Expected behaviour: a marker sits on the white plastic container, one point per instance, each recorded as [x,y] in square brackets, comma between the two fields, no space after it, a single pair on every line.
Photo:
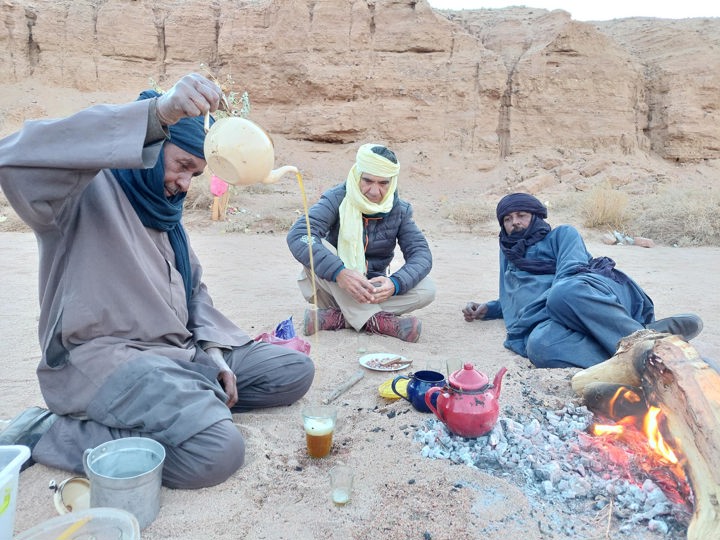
[11,459]
[93,523]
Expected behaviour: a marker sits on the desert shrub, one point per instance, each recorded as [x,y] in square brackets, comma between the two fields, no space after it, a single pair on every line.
[470,215]
[605,207]
[679,216]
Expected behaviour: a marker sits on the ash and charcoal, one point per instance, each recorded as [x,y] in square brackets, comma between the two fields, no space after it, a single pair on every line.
[549,455]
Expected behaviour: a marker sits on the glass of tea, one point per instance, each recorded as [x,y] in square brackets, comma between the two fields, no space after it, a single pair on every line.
[319,424]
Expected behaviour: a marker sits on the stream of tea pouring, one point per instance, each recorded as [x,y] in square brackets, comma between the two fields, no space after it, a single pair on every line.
[242,153]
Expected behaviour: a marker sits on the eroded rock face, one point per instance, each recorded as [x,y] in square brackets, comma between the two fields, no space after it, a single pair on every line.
[487,82]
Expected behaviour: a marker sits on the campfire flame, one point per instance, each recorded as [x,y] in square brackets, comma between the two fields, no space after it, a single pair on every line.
[655,438]
[645,445]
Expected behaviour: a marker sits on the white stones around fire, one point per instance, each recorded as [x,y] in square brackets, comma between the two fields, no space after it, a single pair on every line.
[545,455]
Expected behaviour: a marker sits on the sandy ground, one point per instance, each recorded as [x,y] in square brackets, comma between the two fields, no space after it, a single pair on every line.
[280,493]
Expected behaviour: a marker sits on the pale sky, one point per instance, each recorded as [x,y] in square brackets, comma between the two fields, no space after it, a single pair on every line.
[600,10]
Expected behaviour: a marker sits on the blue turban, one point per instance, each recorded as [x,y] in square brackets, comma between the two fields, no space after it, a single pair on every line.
[519,202]
[187,133]
[145,189]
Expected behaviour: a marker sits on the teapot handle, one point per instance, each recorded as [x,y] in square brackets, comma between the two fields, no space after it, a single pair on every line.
[86,464]
[395,381]
[428,400]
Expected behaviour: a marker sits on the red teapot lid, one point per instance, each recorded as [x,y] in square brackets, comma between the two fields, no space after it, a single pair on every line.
[468,378]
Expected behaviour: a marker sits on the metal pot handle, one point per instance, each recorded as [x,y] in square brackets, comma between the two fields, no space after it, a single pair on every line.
[86,465]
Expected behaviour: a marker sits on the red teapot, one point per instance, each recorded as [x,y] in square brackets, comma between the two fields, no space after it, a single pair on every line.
[468,404]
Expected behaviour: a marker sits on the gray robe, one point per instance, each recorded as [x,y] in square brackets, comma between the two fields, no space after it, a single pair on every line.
[113,308]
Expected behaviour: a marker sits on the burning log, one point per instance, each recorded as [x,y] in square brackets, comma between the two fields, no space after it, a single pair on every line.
[625,367]
[686,389]
[614,400]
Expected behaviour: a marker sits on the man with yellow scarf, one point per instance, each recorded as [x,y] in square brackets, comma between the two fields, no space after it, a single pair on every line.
[354,229]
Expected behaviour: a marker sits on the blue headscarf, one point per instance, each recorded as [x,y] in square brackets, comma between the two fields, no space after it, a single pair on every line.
[516,244]
[520,202]
[145,189]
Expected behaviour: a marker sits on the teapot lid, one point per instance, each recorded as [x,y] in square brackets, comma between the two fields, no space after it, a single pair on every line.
[468,378]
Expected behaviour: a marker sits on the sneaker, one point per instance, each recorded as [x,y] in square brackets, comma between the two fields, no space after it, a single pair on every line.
[404,328]
[685,325]
[322,319]
[26,429]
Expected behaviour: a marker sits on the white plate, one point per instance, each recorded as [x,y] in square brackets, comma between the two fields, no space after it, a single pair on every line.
[373,361]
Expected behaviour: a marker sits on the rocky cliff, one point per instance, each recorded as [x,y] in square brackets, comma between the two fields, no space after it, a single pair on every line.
[487,82]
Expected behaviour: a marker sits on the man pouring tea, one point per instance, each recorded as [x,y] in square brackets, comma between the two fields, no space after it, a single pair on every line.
[131,342]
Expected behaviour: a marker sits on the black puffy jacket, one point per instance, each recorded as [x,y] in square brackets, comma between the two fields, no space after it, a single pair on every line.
[382,232]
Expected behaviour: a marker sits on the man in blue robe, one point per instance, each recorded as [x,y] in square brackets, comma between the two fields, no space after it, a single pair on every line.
[561,306]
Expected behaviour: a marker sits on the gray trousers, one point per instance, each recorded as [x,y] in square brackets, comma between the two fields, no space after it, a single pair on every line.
[169,402]
[330,295]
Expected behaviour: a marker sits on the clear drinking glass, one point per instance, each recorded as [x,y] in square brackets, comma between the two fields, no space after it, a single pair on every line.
[319,424]
[341,483]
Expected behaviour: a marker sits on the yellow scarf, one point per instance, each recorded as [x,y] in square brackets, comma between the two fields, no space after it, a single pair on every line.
[350,239]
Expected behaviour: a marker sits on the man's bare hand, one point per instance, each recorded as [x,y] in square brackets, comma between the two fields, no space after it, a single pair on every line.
[357,285]
[384,289]
[474,311]
[228,380]
[193,95]
[226,377]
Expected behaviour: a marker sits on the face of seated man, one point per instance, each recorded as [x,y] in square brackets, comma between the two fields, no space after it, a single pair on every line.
[516,222]
[374,188]
[180,168]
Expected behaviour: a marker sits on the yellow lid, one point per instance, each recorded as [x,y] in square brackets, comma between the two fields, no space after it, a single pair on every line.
[386,390]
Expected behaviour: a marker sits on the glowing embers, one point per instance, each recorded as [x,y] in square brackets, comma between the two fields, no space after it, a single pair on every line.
[636,447]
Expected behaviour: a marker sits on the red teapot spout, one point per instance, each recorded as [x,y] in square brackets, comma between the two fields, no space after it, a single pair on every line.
[497,381]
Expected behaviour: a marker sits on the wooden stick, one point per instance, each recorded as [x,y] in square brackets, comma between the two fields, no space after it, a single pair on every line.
[390,361]
[352,381]
[396,362]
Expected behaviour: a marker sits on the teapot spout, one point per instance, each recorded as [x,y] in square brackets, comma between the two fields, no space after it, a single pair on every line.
[497,382]
[277,174]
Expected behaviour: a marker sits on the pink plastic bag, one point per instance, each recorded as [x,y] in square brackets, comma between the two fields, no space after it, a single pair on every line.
[218,186]
[284,335]
[297,343]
